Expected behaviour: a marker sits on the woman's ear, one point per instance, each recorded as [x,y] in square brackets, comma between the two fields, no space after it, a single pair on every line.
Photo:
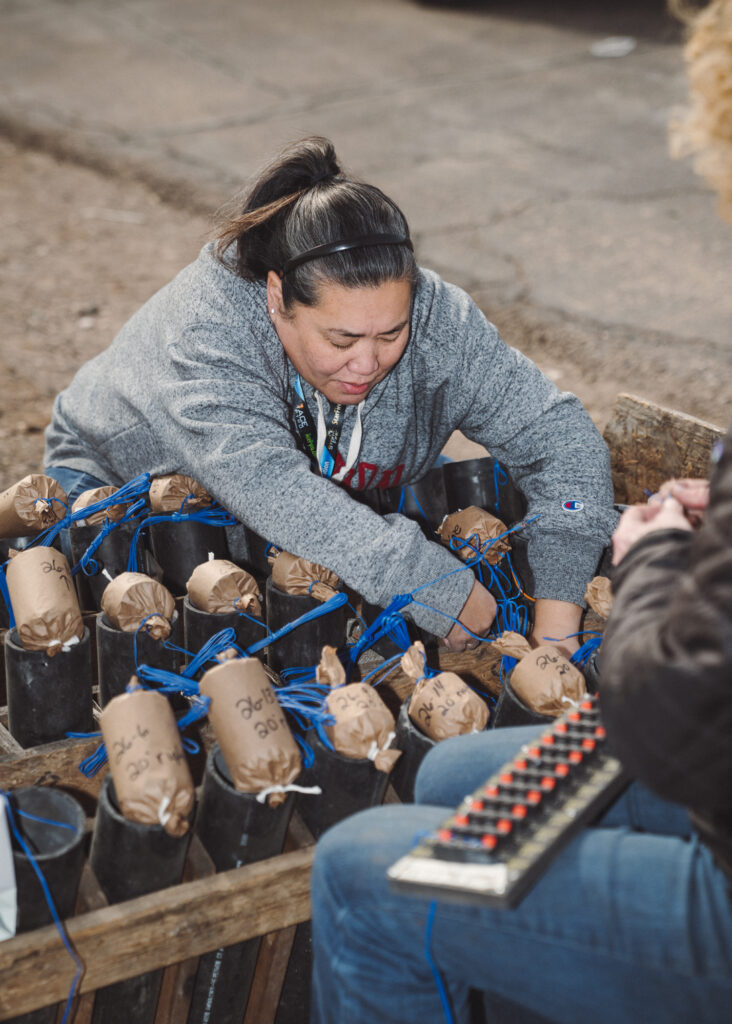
[274,294]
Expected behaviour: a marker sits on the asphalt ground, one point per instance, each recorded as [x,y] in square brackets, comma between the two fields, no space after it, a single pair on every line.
[533,173]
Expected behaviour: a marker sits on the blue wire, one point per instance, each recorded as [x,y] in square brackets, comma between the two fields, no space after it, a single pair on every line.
[46,821]
[214,515]
[439,982]
[49,900]
[337,601]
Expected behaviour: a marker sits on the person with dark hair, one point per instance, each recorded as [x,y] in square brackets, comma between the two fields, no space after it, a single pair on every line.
[305,337]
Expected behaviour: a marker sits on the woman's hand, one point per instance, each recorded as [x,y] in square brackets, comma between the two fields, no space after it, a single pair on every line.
[692,495]
[640,520]
[556,620]
[477,615]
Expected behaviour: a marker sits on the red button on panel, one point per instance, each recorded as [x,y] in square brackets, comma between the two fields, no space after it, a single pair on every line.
[547,739]
[548,783]
[491,790]
[575,756]
[490,842]
[589,744]
[461,819]
[574,716]
[477,805]
[587,705]
[534,796]
[445,835]
[503,825]
[560,727]
[506,777]
[534,751]
[561,770]
[520,765]
[518,811]
[600,732]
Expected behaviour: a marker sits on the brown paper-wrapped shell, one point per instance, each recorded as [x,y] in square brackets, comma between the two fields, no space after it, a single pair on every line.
[26,507]
[298,576]
[131,597]
[218,586]
[364,726]
[474,522]
[442,705]
[151,777]
[330,671]
[167,494]
[512,644]
[43,596]
[91,497]
[249,724]
[546,682]
[599,596]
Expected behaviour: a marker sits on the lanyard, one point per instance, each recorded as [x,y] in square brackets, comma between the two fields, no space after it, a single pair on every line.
[321,443]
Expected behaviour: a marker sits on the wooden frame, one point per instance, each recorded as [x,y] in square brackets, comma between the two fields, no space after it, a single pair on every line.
[171,928]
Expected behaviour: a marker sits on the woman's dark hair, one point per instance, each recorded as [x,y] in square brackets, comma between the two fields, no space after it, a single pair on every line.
[303,200]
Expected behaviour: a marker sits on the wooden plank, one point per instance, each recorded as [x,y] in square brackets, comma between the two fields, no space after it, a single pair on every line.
[649,444]
[272,961]
[53,764]
[177,984]
[9,746]
[156,930]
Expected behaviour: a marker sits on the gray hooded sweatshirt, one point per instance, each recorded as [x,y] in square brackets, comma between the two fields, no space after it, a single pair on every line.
[197,382]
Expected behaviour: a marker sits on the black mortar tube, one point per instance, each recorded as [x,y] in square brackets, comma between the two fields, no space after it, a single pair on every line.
[130,860]
[48,697]
[472,482]
[348,785]
[304,645]
[235,829]
[592,672]
[59,853]
[414,745]
[178,547]
[111,555]
[200,626]
[425,501]
[116,654]
[511,710]
[257,559]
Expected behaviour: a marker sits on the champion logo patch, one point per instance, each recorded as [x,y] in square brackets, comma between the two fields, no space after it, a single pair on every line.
[573,506]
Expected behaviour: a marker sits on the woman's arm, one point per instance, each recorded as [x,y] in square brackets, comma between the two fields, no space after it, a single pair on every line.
[228,425]
[550,446]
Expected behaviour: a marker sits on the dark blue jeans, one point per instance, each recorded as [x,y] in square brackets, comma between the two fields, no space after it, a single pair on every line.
[632,923]
[73,481]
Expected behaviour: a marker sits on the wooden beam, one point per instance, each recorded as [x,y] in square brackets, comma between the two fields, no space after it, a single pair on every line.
[649,444]
[53,764]
[153,931]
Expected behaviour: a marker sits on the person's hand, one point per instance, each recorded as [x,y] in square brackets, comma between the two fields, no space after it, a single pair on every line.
[477,615]
[640,520]
[692,495]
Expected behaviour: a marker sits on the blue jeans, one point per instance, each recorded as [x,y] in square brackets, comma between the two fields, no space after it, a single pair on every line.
[73,481]
[631,924]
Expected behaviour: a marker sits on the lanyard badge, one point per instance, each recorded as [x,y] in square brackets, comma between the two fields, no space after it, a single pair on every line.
[321,443]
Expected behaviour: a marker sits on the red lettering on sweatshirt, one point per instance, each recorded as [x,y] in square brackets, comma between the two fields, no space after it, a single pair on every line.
[366,474]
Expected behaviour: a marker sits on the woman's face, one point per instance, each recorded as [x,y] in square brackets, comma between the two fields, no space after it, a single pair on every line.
[349,341]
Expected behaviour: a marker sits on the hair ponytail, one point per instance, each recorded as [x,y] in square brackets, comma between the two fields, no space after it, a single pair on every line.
[303,200]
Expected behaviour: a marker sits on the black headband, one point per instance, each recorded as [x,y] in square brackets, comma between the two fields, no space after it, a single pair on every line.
[360,242]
